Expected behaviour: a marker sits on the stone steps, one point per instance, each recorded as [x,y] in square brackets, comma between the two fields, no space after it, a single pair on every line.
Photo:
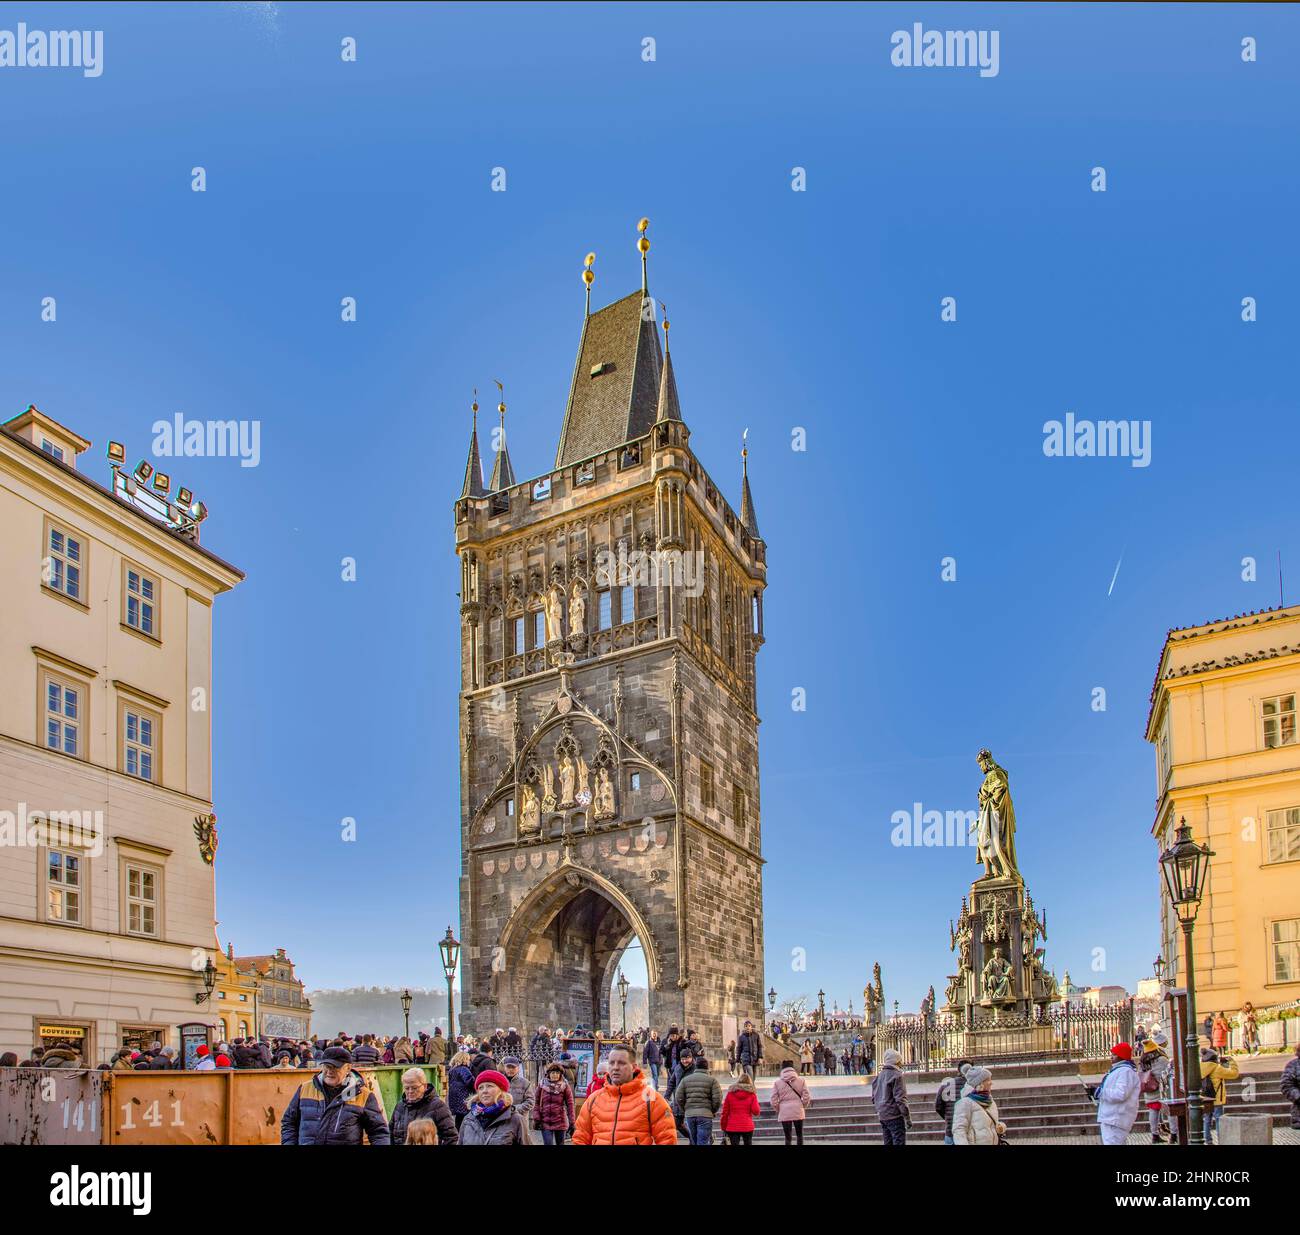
[1028,1111]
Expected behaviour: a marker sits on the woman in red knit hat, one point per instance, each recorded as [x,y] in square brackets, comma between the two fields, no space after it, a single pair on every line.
[492,1119]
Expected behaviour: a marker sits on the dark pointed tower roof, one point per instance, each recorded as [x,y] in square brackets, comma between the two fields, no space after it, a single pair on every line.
[669,408]
[503,475]
[747,515]
[473,486]
[615,390]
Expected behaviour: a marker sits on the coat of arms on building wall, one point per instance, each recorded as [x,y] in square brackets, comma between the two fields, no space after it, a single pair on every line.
[205,830]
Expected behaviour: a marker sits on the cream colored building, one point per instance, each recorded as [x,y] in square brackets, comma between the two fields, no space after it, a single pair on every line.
[106,900]
[1223,723]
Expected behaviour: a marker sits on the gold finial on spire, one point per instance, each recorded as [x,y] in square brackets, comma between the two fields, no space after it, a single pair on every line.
[474,407]
[643,244]
[744,452]
[663,308]
[588,277]
[501,407]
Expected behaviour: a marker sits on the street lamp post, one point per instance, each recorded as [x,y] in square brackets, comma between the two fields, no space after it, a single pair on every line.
[1184,865]
[622,995]
[771,998]
[209,972]
[821,1009]
[406,1009]
[449,946]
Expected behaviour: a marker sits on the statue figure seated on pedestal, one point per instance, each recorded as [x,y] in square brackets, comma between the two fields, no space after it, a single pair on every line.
[995,979]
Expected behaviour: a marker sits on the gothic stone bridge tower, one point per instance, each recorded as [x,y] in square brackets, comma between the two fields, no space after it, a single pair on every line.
[611,614]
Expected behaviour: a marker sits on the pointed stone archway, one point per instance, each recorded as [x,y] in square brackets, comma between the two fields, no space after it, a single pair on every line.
[556,957]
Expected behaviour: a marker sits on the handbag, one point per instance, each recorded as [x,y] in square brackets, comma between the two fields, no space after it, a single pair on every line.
[1002,1140]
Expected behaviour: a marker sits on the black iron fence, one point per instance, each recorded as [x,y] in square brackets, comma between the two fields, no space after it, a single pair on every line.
[1056,1033]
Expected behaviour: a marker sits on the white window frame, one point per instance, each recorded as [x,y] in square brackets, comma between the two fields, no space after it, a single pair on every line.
[65,569]
[74,721]
[1293,944]
[1290,852]
[76,888]
[139,900]
[1279,719]
[144,595]
[134,744]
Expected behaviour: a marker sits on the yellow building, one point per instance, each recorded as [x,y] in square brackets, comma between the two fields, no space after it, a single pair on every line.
[1223,722]
[106,886]
[234,999]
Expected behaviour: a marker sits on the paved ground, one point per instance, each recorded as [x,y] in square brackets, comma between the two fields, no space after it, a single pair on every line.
[1281,1136]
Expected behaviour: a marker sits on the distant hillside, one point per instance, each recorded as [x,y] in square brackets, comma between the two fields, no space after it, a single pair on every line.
[376,1009]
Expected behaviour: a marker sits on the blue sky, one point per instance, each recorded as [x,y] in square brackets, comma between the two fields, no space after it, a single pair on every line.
[815,309]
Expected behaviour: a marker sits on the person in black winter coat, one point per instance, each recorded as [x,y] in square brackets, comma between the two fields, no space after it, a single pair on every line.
[1291,1087]
[336,1106]
[947,1096]
[419,1101]
[460,1085]
[247,1055]
[749,1049]
[652,1056]
[685,1043]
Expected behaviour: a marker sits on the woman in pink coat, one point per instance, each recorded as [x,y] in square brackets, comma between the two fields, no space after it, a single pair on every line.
[790,1098]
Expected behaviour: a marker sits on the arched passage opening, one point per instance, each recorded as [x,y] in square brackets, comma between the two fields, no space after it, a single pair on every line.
[561,950]
[628,964]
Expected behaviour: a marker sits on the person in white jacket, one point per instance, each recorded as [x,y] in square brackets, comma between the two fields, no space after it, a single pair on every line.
[975,1120]
[1118,1096]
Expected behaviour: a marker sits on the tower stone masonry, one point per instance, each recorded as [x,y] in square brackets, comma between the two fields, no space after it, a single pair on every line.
[611,613]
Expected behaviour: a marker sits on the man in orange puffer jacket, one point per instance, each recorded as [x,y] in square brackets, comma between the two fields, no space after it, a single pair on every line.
[625,1110]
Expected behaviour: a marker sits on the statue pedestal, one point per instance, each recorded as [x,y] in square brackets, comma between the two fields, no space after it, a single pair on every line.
[997,918]
[994,1041]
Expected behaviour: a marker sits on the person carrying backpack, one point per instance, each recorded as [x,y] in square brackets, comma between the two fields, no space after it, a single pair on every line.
[1216,1071]
[1117,1097]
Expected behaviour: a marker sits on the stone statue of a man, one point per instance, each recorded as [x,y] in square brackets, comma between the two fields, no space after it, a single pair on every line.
[995,830]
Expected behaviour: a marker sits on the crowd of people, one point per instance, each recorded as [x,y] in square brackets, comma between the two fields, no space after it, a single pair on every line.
[647,1088]
[1140,1075]
[816,1058]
